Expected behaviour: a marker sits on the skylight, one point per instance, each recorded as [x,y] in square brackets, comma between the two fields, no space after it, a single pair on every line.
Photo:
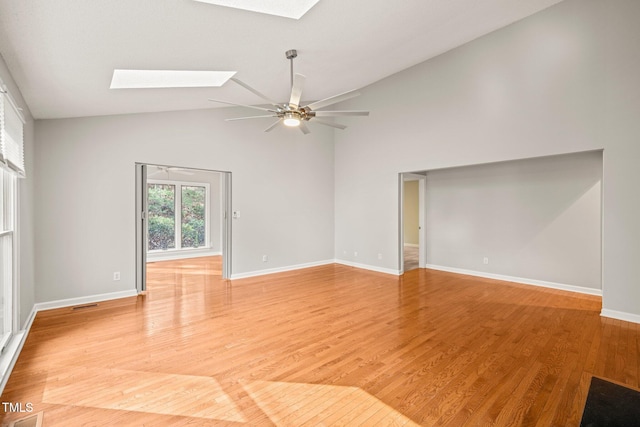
[294,9]
[139,79]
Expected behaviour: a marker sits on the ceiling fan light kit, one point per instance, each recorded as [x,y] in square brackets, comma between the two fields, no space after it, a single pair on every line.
[291,119]
[291,114]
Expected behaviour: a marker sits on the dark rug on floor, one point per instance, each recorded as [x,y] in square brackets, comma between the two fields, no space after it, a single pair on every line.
[611,405]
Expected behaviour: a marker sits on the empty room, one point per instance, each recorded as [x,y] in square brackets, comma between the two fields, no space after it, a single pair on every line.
[321,213]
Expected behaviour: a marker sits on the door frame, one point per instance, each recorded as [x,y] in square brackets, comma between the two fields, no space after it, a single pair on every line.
[141,212]
[422,220]
[141,227]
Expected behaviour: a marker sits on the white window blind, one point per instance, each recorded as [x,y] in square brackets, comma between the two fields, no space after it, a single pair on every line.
[11,135]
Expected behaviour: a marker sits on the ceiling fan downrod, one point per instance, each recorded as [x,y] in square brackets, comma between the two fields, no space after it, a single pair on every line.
[291,54]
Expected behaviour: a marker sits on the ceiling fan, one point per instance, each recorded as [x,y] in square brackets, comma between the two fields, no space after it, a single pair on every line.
[168,169]
[293,114]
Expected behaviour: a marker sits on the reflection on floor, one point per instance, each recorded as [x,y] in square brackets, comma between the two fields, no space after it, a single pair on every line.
[170,275]
[410,257]
[327,345]
[294,404]
[152,392]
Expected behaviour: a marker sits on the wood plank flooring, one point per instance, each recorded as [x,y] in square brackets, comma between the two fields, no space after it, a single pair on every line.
[411,258]
[330,345]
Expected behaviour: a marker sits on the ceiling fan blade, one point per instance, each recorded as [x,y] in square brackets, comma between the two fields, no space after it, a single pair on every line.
[273,126]
[304,128]
[332,100]
[250,117]
[296,90]
[333,125]
[242,105]
[340,113]
[255,92]
[182,172]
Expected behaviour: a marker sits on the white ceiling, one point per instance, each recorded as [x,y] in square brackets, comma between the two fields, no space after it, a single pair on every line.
[62,53]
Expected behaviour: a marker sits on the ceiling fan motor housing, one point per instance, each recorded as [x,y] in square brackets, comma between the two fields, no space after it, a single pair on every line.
[291,54]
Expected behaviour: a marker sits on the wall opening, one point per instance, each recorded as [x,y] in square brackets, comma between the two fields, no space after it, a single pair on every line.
[535,221]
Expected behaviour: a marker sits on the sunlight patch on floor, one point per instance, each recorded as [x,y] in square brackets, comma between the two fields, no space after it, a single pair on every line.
[296,404]
[157,393]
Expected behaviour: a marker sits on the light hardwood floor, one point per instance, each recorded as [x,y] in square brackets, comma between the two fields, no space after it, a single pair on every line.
[330,345]
[411,258]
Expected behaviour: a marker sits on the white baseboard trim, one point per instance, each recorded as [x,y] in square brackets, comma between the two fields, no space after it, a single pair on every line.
[84,300]
[280,269]
[170,256]
[13,350]
[541,283]
[620,315]
[30,319]
[315,264]
[369,267]
[17,341]
[10,357]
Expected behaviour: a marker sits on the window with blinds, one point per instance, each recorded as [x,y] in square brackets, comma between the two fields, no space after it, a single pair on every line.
[7,255]
[11,168]
[11,135]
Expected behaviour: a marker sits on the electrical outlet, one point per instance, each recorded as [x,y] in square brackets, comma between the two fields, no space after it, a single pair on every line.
[355,253]
[116,275]
[485,260]
[379,256]
[265,258]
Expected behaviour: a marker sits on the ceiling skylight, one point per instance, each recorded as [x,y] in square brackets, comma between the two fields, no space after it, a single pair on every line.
[288,8]
[143,79]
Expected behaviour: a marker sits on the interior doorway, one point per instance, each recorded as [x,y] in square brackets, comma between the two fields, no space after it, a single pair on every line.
[182,214]
[412,252]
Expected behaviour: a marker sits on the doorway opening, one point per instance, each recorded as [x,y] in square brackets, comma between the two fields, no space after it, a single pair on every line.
[182,218]
[412,231]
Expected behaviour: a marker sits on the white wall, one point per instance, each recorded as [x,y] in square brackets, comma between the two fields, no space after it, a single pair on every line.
[282,185]
[536,219]
[564,80]
[26,201]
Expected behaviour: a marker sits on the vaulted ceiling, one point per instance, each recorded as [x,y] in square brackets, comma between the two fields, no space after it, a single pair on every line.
[62,53]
